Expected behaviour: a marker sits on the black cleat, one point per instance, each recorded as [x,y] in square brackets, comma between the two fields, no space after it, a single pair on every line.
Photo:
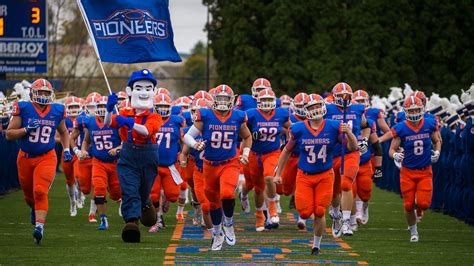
[315,251]
[291,205]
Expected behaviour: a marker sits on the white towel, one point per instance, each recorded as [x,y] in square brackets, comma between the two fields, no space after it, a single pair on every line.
[175,174]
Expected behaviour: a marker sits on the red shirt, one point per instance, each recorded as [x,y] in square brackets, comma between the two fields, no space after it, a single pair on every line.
[153,123]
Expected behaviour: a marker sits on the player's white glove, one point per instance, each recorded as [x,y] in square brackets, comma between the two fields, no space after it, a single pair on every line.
[363,145]
[434,156]
[398,156]
[77,152]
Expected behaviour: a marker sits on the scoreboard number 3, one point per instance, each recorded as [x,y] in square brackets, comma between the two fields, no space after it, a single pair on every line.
[35,15]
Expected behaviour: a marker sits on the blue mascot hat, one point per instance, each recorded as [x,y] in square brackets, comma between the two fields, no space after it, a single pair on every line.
[141,74]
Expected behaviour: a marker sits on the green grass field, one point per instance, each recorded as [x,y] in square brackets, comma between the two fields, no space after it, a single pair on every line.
[73,240]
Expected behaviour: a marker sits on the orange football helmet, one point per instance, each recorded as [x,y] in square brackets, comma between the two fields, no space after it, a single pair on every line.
[413,108]
[420,95]
[266,100]
[202,95]
[184,102]
[260,84]
[163,104]
[342,92]
[223,98]
[91,102]
[163,90]
[315,107]
[73,106]
[362,97]
[285,101]
[298,104]
[42,92]
[101,106]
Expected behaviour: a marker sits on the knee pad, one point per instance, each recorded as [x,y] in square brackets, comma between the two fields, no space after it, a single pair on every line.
[364,195]
[99,200]
[423,205]
[40,192]
[346,184]
[320,210]
[409,206]
[305,214]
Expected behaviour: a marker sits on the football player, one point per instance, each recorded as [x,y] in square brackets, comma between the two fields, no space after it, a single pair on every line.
[220,128]
[418,137]
[265,123]
[84,165]
[342,197]
[103,142]
[316,138]
[34,124]
[168,139]
[291,169]
[73,110]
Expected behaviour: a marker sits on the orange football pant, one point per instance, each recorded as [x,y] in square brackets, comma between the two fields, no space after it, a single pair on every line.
[68,169]
[199,190]
[261,166]
[188,172]
[36,176]
[362,185]
[313,193]
[289,175]
[165,181]
[351,167]
[417,184]
[104,177]
[220,181]
[85,175]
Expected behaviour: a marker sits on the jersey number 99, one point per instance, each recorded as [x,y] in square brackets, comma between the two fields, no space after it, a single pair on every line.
[40,134]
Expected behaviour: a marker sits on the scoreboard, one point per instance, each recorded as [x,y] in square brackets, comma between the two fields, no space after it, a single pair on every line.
[23,36]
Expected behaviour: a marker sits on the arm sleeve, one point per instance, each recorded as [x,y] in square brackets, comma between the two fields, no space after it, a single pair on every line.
[153,124]
[16,109]
[114,123]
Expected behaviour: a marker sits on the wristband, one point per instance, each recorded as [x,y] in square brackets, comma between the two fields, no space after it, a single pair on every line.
[246,151]
[67,150]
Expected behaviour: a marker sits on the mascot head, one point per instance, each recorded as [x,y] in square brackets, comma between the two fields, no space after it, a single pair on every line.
[141,88]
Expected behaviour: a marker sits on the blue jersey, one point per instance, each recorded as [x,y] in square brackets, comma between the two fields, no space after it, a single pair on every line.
[368,155]
[416,142]
[79,123]
[374,114]
[401,116]
[316,146]
[103,139]
[354,114]
[176,109]
[295,119]
[269,128]
[187,117]
[69,121]
[40,140]
[198,156]
[220,133]
[168,140]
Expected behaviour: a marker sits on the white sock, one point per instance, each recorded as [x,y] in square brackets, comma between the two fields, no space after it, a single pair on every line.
[413,230]
[180,209]
[359,205]
[183,193]
[301,220]
[217,229]
[346,215]
[317,241]
[228,220]
[210,230]
[277,197]
[353,219]
[93,207]
[71,191]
